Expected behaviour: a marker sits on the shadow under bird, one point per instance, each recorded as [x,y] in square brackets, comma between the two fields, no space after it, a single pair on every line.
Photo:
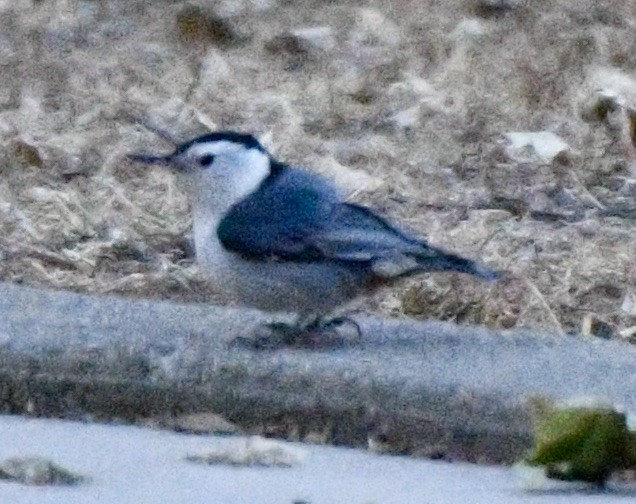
[283,239]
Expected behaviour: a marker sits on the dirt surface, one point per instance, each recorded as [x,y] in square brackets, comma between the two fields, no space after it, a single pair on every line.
[407,104]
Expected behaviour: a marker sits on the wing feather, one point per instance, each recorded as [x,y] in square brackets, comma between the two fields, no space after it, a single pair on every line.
[278,219]
[298,216]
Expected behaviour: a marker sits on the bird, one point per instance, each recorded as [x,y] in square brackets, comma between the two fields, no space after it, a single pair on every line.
[283,239]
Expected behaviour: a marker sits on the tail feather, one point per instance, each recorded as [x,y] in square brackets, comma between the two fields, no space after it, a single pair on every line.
[443,261]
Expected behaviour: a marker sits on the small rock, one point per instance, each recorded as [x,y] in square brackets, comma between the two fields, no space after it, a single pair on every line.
[468,31]
[203,423]
[609,96]
[406,119]
[607,87]
[37,471]
[544,145]
[7,127]
[603,105]
[592,325]
[372,27]
[215,68]
[415,90]
[465,42]
[628,333]
[253,451]
[69,165]
[318,37]
[72,160]
[628,305]
[351,82]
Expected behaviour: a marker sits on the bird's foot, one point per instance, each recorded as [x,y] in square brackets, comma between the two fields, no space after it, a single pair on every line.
[319,333]
[336,332]
[270,336]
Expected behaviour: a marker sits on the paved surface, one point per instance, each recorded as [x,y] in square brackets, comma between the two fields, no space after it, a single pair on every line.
[427,388]
[138,466]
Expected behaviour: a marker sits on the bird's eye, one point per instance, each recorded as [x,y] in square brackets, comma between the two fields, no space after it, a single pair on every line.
[206,160]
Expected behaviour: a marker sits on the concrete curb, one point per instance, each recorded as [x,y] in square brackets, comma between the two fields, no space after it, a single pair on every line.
[428,388]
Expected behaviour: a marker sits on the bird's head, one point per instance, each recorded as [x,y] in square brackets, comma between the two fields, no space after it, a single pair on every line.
[219,169]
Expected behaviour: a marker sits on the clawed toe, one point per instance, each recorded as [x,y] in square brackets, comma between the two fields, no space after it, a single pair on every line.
[270,336]
[319,333]
[340,324]
[337,332]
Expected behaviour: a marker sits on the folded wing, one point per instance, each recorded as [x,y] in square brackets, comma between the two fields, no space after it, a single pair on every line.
[299,217]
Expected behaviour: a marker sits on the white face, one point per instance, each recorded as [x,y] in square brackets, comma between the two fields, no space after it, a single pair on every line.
[203,155]
[220,173]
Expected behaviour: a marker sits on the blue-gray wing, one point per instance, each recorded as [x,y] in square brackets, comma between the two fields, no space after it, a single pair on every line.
[280,217]
[357,234]
[298,216]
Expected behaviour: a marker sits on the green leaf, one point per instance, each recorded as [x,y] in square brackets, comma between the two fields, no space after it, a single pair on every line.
[584,444]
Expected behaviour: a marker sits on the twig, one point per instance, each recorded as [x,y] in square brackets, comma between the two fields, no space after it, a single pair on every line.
[587,193]
[545,304]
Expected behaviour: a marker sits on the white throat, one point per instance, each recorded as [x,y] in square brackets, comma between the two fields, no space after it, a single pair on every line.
[231,178]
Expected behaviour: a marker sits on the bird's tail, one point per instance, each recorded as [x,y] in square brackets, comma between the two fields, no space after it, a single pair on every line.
[443,261]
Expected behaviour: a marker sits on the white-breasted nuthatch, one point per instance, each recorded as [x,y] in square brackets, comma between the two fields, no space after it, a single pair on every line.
[283,239]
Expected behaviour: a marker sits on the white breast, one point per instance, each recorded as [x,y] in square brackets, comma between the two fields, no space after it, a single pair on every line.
[272,285]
